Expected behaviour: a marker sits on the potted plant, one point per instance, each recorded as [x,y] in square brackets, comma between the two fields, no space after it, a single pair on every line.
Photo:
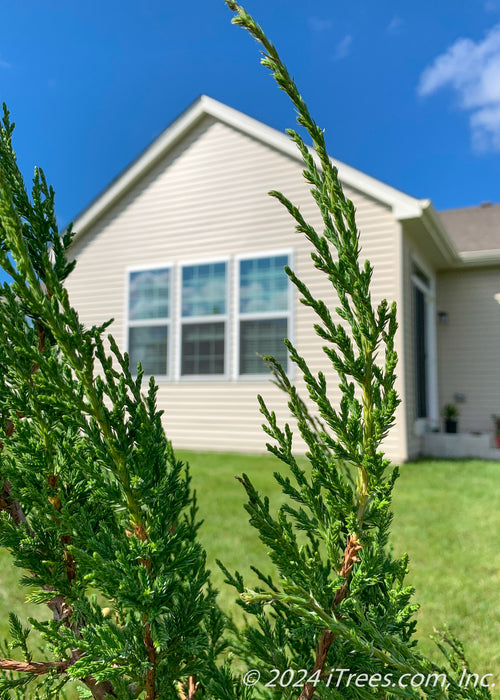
[450,413]
[496,422]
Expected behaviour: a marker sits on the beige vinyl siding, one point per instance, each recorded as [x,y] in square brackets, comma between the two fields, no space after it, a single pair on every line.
[469,345]
[208,199]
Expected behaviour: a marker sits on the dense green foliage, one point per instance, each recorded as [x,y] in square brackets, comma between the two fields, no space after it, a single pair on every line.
[337,597]
[441,510]
[95,507]
[100,515]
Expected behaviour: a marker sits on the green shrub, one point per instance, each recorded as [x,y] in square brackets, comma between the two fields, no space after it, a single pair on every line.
[99,513]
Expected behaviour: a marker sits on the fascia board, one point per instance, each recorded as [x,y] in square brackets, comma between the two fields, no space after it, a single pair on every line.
[480,257]
[438,234]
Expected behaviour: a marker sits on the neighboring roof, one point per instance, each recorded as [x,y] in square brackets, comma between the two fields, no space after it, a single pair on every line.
[475,231]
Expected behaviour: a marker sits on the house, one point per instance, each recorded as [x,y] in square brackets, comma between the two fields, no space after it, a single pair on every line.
[185,250]
[468,323]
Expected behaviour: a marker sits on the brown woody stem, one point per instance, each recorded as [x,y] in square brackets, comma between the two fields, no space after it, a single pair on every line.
[35,667]
[10,504]
[352,548]
[150,680]
[191,689]
[151,654]
[100,690]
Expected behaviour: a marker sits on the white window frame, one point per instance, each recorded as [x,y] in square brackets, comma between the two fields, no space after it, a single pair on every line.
[190,320]
[429,292]
[261,315]
[153,321]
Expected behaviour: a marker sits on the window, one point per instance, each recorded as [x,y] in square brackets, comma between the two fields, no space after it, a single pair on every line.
[203,319]
[264,308]
[181,320]
[149,320]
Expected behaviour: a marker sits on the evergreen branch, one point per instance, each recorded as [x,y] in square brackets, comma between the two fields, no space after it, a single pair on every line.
[61,612]
[34,667]
[366,609]
[365,638]
[58,605]
[35,292]
[340,229]
[285,81]
[326,640]
[109,507]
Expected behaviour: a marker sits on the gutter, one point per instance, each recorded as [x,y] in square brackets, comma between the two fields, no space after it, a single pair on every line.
[471,258]
[453,257]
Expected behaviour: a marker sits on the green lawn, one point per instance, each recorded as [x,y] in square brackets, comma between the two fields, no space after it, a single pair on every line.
[447,517]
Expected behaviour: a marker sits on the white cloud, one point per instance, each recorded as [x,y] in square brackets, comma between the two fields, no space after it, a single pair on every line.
[472,70]
[320,25]
[485,125]
[343,48]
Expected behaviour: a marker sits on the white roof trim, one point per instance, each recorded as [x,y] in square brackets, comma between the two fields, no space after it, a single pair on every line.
[438,233]
[480,257]
[403,206]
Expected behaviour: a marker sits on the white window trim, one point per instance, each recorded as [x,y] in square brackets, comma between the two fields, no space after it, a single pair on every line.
[432,375]
[154,321]
[289,315]
[180,321]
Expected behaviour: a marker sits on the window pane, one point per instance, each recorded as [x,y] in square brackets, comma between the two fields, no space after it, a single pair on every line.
[204,290]
[148,345]
[203,348]
[263,284]
[264,337]
[149,294]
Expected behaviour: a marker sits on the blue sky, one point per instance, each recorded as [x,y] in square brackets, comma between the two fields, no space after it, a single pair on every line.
[407,92]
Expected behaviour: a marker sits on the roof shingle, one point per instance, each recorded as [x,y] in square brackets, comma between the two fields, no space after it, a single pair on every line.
[473,228]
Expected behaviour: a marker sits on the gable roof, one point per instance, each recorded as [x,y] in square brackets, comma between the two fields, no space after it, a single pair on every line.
[403,206]
[475,231]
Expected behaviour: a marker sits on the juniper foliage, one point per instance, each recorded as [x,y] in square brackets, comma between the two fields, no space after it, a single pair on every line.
[338,599]
[95,508]
[100,515]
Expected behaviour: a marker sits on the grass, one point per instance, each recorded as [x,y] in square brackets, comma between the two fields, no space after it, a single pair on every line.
[447,517]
